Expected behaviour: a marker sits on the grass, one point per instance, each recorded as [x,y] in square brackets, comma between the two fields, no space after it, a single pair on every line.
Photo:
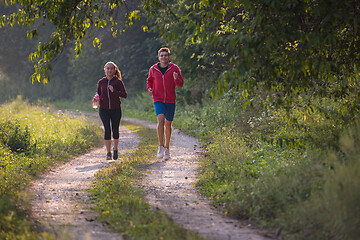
[298,172]
[119,198]
[32,140]
[292,172]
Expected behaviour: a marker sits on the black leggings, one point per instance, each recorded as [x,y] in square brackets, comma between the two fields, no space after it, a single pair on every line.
[113,116]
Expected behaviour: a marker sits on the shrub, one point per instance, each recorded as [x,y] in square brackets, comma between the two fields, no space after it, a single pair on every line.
[16,137]
[333,212]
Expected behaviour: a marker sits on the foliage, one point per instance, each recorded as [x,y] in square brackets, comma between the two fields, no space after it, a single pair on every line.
[33,139]
[120,202]
[71,20]
[13,136]
[332,212]
[285,47]
[283,185]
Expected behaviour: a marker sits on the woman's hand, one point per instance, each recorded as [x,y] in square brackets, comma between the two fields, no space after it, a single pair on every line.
[111,88]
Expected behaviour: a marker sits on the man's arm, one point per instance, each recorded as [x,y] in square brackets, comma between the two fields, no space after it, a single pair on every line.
[179,81]
[150,82]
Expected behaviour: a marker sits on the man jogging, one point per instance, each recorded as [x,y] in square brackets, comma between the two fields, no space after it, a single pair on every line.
[163,77]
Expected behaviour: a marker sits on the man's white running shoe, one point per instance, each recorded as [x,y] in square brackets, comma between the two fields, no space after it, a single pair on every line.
[166,154]
[160,152]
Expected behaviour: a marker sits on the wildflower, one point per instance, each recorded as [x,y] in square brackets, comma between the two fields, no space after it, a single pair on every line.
[305,156]
[287,165]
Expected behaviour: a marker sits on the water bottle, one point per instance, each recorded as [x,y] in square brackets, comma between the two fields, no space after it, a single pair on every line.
[95,102]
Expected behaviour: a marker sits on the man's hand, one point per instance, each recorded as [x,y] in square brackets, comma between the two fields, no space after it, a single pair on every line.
[150,91]
[175,75]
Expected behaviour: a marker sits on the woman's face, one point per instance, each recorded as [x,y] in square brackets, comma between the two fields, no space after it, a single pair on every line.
[109,70]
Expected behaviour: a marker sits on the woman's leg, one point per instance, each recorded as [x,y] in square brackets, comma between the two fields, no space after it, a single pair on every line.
[105,118]
[115,124]
[108,145]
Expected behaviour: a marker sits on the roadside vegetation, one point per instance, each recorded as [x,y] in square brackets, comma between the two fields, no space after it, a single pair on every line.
[32,140]
[295,174]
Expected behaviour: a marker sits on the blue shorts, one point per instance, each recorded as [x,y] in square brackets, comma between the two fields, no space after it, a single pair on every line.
[168,109]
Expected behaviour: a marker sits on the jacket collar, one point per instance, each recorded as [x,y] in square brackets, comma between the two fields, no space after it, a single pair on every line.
[157,67]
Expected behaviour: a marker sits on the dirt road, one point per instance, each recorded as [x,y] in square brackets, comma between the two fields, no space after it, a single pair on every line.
[60,199]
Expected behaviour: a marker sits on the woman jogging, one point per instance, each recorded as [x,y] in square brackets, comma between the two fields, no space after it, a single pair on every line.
[163,77]
[109,91]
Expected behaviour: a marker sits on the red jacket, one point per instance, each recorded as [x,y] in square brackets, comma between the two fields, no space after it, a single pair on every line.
[163,86]
[108,99]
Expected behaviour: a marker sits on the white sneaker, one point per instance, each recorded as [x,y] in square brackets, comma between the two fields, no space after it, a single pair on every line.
[167,154]
[160,152]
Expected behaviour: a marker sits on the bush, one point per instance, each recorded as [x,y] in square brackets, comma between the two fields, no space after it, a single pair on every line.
[17,138]
[333,212]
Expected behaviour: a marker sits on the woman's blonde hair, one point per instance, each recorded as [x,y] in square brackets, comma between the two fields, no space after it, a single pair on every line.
[117,71]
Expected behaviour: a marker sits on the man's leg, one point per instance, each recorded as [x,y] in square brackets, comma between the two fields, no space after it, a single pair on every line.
[168,131]
[160,128]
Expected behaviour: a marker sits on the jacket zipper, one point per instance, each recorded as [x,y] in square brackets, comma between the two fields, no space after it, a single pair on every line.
[108,93]
[163,77]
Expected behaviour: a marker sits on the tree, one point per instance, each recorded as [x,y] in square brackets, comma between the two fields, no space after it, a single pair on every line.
[287,47]
[73,21]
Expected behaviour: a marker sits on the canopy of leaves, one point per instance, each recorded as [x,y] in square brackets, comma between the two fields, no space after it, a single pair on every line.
[72,19]
[287,47]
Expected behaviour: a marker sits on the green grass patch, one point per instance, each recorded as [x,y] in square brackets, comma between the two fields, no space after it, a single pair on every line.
[294,170]
[120,200]
[32,140]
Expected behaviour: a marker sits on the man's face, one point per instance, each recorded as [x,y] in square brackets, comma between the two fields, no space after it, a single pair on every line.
[164,58]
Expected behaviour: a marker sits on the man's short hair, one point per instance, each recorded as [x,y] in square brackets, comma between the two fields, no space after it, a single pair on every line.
[164,49]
